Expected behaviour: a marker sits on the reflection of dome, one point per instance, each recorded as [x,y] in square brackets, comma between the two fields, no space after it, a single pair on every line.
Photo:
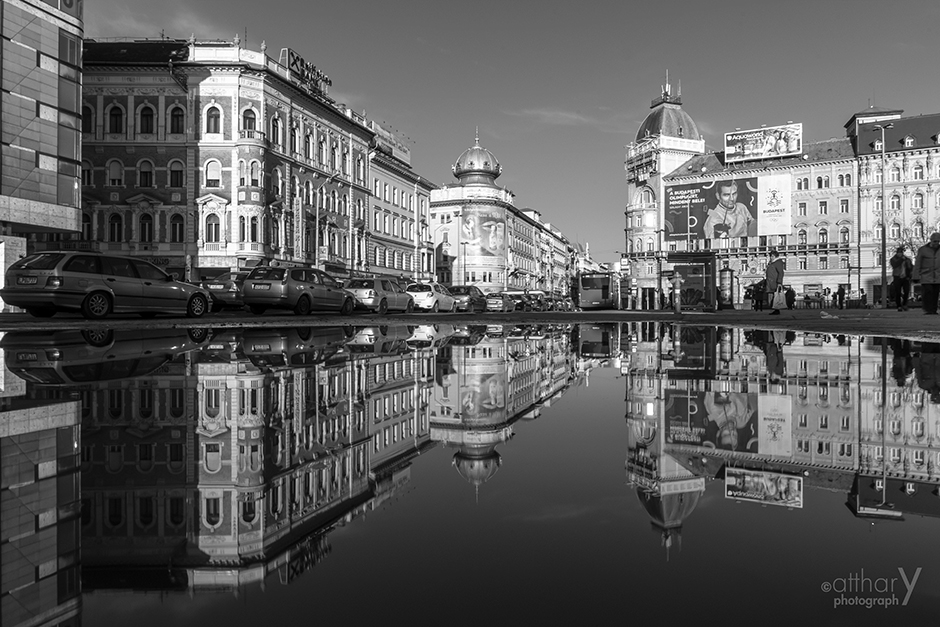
[477,164]
[477,464]
[667,512]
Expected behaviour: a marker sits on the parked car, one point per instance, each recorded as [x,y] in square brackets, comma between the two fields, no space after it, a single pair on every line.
[432,296]
[497,301]
[97,285]
[469,298]
[380,295]
[225,289]
[300,289]
[523,302]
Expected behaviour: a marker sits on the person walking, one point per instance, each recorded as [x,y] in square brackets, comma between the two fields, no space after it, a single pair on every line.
[791,297]
[760,295]
[774,278]
[840,296]
[927,271]
[901,270]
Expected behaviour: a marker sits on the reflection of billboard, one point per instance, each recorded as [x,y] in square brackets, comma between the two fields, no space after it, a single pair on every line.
[716,420]
[483,396]
[764,143]
[483,232]
[775,428]
[729,208]
[769,488]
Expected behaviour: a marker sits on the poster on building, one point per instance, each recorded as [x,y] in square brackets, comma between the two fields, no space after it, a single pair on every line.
[483,232]
[775,426]
[767,488]
[741,207]
[715,420]
[764,143]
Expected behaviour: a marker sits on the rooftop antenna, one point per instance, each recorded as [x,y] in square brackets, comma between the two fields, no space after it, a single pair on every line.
[478,136]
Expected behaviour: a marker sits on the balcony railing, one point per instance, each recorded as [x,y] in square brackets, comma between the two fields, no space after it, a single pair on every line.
[252,134]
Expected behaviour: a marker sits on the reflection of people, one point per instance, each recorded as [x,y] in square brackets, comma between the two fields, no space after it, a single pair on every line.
[729,420]
[729,218]
[773,350]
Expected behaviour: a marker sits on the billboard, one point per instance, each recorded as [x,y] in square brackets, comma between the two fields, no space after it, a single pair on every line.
[742,207]
[767,488]
[764,143]
[713,420]
[483,232]
[483,397]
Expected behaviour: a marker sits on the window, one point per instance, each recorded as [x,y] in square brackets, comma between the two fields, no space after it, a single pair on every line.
[877,145]
[824,263]
[145,126]
[177,121]
[115,174]
[841,180]
[248,120]
[848,179]
[843,263]
[88,120]
[254,171]
[802,263]
[819,182]
[145,174]
[823,236]
[877,175]
[146,228]
[895,203]
[176,228]
[895,174]
[878,203]
[918,230]
[213,174]
[895,230]
[212,228]
[116,120]
[176,174]
[213,513]
[115,228]
[87,174]
[918,172]
[276,131]
[844,235]
[823,207]
[801,209]
[213,120]
[908,142]
[844,205]
[801,237]
[86,226]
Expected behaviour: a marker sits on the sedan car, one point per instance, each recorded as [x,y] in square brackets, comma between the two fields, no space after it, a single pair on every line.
[469,298]
[497,301]
[433,297]
[300,289]
[225,289]
[380,295]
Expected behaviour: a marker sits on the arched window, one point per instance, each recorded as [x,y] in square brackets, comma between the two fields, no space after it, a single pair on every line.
[799,184]
[360,169]
[895,203]
[918,230]
[276,131]
[212,228]
[819,182]
[294,141]
[242,172]
[308,146]
[248,120]
[145,126]
[86,227]
[146,228]
[344,208]
[639,245]
[332,206]
[177,178]
[322,149]
[895,230]
[878,203]
[177,121]
[255,173]
[213,120]
[115,228]
[242,229]
[877,175]
[87,173]
[841,180]
[116,120]
[213,174]
[115,174]
[88,120]
[801,236]
[845,235]
[823,236]
[144,174]
[848,179]
[895,175]
[918,172]
[253,235]
[333,155]
[276,182]
[176,228]
[877,230]
[917,201]
[321,200]
[649,245]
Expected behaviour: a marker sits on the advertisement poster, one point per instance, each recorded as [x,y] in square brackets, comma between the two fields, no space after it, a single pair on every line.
[720,420]
[767,488]
[483,397]
[483,232]
[743,207]
[764,143]
[775,427]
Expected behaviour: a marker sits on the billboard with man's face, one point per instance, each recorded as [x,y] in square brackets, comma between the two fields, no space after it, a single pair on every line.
[483,232]
[764,143]
[743,207]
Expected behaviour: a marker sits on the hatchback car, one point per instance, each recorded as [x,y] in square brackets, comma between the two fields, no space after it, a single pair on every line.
[300,289]
[97,285]
[380,295]
[432,296]
[225,289]
[497,301]
[469,298]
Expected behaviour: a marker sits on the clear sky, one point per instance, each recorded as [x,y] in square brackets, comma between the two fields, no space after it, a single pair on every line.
[559,88]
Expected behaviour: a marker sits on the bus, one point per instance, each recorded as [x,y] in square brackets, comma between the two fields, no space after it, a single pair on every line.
[598,290]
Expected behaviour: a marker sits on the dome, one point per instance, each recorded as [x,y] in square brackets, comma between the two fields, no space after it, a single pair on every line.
[477,162]
[477,466]
[668,119]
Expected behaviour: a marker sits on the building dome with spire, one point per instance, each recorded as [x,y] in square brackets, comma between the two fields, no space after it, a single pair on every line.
[667,117]
[477,165]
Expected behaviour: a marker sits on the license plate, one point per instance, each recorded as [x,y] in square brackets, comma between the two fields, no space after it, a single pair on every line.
[216,286]
[215,347]
[26,280]
[260,347]
[26,356]
[261,286]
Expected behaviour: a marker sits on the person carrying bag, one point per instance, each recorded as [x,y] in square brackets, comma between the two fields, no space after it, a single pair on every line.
[774,278]
[780,299]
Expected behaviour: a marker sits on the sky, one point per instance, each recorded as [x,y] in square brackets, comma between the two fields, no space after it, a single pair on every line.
[558,89]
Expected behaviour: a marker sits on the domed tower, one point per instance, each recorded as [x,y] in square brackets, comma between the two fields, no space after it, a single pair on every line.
[477,165]
[666,139]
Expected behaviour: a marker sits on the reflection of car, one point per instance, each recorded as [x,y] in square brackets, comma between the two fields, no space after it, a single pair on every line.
[301,289]
[431,336]
[97,285]
[82,357]
[380,340]
[225,289]
[432,296]
[380,294]
[272,349]
[469,298]
[498,301]
[468,335]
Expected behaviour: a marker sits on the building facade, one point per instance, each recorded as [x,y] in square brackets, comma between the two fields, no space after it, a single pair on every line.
[41,75]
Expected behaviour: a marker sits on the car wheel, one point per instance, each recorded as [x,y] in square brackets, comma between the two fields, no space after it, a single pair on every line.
[96,306]
[257,309]
[302,308]
[198,334]
[410,306]
[98,337]
[348,307]
[41,312]
[197,306]
[383,307]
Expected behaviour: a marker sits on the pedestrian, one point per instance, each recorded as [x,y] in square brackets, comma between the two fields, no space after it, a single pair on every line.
[760,294]
[791,297]
[774,278]
[901,269]
[840,296]
[863,296]
[927,271]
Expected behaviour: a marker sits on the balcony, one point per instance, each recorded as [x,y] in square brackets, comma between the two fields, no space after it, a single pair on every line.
[253,137]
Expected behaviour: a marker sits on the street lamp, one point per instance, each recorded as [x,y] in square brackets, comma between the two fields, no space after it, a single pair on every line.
[316,235]
[884,238]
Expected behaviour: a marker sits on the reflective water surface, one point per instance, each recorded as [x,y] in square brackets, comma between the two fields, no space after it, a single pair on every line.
[553,473]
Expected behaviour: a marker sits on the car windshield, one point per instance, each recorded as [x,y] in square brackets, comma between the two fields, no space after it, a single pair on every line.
[42,261]
[496,295]
[461,290]
[417,287]
[267,274]
[360,284]
[229,276]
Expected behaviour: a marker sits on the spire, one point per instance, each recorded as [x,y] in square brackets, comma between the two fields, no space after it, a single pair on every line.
[476,138]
